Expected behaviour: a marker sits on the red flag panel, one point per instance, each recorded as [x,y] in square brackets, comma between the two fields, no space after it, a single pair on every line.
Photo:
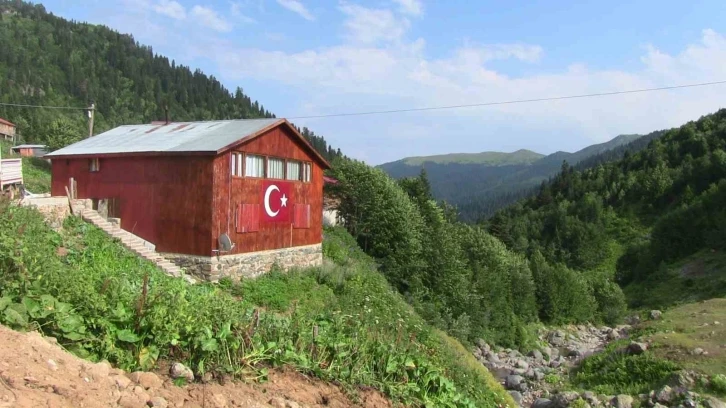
[277,201]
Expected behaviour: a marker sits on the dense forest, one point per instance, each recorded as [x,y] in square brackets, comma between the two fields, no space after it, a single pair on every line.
[633,216]
[561,256]
[47,60]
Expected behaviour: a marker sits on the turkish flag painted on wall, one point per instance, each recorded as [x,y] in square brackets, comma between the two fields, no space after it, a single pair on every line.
[276,201]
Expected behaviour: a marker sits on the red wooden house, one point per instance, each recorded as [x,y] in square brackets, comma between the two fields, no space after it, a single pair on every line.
[192,188]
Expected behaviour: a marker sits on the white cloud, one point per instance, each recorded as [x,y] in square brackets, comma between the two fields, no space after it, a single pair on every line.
[235,8]
[170,8]
[297,7]
[209,18]
[412,7]
[403,76]
[371,26]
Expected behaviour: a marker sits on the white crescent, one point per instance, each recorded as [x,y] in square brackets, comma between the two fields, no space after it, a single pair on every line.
[268,210]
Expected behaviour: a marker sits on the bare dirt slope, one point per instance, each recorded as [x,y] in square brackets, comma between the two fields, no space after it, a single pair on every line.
[36,372]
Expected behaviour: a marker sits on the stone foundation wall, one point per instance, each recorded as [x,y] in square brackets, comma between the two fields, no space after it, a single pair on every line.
[55,209]
[248,265]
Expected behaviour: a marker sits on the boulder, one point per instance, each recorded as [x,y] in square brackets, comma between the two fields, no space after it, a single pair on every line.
[591,398]
[637,348]
[522,364]
[664,395]
[493,358]
[542,403]
[516,396]
[179,370]
[512,382]
[712,402]
[655,314]
[536,354]
[565,398]
[556,338]
[622,401]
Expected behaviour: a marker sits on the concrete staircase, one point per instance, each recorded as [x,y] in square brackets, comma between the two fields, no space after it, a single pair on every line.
[134,244]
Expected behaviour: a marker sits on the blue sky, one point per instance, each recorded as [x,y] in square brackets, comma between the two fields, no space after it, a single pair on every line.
[304,57]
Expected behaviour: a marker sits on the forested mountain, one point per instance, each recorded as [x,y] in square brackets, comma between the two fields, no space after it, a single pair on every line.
[47,60]
[649,209]
[478,184]
[522,156]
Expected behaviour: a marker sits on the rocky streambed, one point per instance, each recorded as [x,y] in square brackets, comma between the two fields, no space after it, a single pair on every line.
[533,379]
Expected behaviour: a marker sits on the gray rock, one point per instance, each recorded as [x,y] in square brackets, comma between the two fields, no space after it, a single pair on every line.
[634,319]
[522,364]
[655,314]
[711,402]
[573,351]
[179,370]
[682,379]
[483,346]
[547,352]
[613,334]
[518,371]
[565,398]
[536,354]
[698,351]
[529,374]
[657,405]
[590,397]
[512,382]
[542,403]
[516,396]
[637,348]
[556,338]
[538,375]
[664,395]
[493,358]
[622,401]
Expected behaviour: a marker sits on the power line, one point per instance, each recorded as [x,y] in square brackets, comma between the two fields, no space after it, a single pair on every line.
[507,102]
[19,105]
[554,98]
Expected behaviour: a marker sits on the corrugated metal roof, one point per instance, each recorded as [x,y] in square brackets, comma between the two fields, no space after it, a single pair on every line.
[210,136]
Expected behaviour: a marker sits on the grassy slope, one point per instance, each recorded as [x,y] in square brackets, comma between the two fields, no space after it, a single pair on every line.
[368,335]
[36,172]
[522,156]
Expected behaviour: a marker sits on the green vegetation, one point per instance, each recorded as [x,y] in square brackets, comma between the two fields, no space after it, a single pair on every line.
[614,371]
[650,209]
[690,326]
[459,277]
[341,322]
[521,156]
[479,184]
[47,60]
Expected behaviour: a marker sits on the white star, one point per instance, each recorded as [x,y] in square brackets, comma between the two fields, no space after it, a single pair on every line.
[284,200]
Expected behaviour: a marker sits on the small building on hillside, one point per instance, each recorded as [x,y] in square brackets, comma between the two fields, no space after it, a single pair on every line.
[7,129]
[30,150]
[220,198]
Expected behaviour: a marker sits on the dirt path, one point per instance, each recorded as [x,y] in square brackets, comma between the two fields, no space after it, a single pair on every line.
[36,372]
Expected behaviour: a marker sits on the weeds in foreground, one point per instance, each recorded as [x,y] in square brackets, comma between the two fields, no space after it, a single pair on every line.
[338,324]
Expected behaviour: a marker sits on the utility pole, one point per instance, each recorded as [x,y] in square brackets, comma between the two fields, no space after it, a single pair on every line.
[91,111]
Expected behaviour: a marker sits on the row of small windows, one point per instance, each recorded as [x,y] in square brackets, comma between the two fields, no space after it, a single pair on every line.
[252,165]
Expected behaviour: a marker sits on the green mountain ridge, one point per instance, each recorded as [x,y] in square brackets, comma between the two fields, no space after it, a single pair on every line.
[481,183]
[521,156]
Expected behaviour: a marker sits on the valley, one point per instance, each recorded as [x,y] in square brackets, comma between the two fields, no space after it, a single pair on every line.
[585,279]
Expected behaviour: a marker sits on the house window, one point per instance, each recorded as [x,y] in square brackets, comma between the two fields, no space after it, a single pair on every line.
[254,166]
[94,164]
[293,170]
[275,168]
[236,164]
[307,170]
